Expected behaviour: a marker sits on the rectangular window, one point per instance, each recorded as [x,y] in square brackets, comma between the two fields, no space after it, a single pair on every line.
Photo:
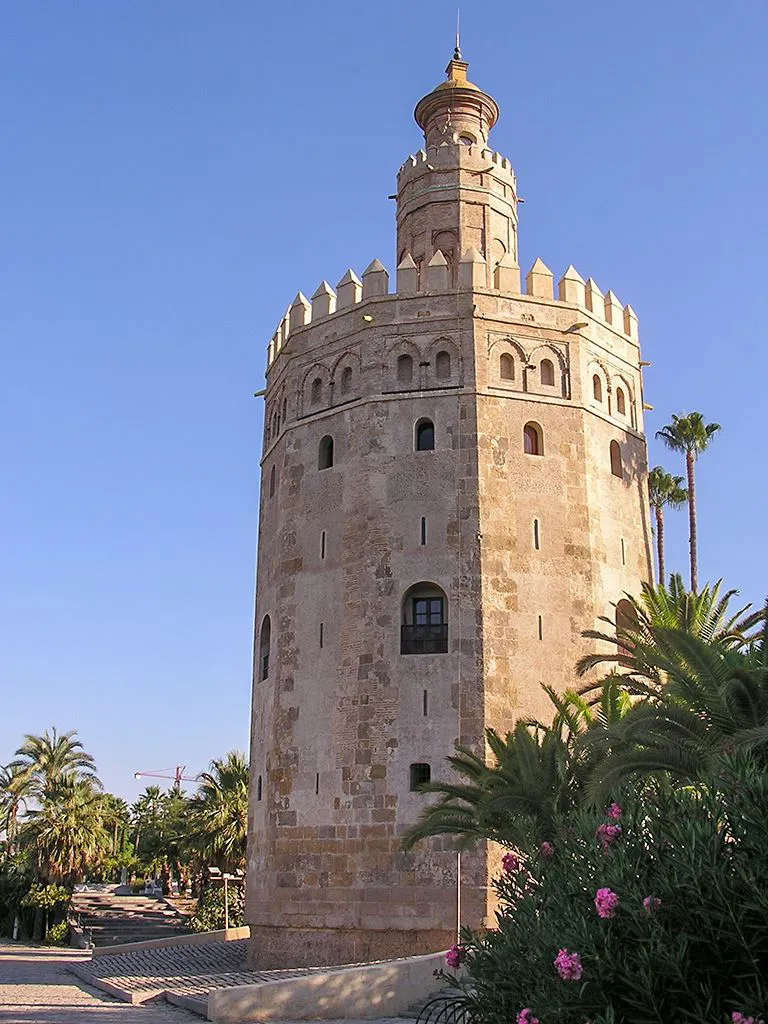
[322,544]
[321,634]
[258,788]
[423,530]
[536,534]
[541,628]
[623,553]
[428,611]
[420,773]
[425,704]
[317,783]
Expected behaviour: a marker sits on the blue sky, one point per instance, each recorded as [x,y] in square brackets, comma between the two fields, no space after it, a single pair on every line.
[175,170]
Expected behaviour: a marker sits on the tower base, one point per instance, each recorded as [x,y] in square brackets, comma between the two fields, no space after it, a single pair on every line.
[278,948]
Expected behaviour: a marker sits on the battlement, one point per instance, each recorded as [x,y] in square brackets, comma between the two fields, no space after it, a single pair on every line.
[351,290]
[452,154]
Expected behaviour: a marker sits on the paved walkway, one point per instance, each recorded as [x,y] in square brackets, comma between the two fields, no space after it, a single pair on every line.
[36,988]
[191,971]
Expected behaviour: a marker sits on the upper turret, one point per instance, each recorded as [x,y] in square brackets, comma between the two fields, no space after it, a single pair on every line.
[456,109]
[456,194]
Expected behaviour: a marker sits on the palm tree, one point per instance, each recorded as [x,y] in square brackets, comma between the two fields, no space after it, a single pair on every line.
[691,435]
[714,700]
[66,834]
[634,635]
[48,759]
[538,771]
[664,490]
[219,813]
[14,793]
[117,818]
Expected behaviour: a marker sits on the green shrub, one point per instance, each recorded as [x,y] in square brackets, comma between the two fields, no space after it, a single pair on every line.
[46,897]
[209,914]
[668,916]
[58,934]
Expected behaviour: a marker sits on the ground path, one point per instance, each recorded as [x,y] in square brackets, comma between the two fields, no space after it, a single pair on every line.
[37,988]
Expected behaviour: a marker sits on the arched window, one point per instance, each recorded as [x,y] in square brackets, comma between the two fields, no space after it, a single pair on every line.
[264,642]
[325,453]
[316,392]
[507,367]
[532,440]
[621,405]
[420,773]
[425,436]
[285,409]
[424,628]
[616,467]
[404,369]
[443,365]
[547,372]
[346,380]
[597,388]
[272,482]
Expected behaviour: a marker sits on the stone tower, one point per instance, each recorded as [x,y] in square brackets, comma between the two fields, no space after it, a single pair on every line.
[453,487]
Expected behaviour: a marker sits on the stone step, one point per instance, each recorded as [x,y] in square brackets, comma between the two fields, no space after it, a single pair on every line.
[110,920]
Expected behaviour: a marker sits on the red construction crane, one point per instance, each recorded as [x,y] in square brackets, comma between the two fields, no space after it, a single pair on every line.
[178,776]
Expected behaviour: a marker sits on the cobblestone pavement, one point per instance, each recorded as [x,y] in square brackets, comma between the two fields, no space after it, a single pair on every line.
[37,988]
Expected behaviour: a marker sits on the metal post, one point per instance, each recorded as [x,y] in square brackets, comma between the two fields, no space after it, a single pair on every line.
[458,896]
[226,904]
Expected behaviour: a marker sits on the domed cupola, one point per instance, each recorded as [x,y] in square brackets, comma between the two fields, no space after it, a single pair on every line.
[456,109]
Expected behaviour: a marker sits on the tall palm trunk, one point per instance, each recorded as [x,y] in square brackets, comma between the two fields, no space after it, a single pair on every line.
[660,542]
[689,459]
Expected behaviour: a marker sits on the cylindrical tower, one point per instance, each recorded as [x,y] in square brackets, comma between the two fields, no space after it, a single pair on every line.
[452,489]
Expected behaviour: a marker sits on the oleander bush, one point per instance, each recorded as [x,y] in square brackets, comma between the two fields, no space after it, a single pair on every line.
[654,912]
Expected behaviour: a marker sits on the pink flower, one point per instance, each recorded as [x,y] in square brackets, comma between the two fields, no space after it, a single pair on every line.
[614,812]
[608,834]
[606,902]
[526,1017]
[738,1018]
[568,965]
[455,956]
[510,862]
[546,849]
[651,903]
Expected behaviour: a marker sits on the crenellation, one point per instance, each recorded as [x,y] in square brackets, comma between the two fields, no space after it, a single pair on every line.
[323,301]
[614,311]
[473,270]
[301,312]
[507,276]
[284,329]
[375,280]
[435,278]
[630,323]
[437,273]
[594,298]
[540,281]
[571,287]
[349,290]
[452,154]
[407,276]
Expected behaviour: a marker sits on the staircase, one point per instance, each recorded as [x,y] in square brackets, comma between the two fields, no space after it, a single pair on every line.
[109,920]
